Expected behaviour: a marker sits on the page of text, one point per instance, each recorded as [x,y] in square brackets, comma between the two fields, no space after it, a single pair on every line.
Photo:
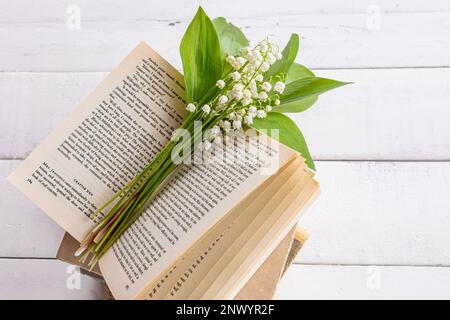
[105,142]
[193,200]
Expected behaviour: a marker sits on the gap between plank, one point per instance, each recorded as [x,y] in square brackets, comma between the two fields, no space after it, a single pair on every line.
[399,265]
[313,69]
[317,160]
[294,263]
[185,20]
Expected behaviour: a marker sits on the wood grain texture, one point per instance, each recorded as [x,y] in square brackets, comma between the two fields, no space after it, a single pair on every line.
[46,279]
[367,213]
[389,213]
[25,231]
[392,213]
[138,10]
[364,282]
[336,40]
[389,114]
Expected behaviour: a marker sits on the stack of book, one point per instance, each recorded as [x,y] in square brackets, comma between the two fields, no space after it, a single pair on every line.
[217,230]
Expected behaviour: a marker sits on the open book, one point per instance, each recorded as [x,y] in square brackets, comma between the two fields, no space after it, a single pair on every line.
[208,229]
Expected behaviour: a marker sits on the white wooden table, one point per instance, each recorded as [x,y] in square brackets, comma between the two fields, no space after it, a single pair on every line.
[381,227]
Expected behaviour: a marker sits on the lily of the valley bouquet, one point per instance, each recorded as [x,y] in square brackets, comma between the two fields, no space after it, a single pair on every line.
[230,87]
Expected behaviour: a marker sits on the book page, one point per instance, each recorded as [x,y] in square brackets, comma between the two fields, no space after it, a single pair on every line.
[264,282]
[254,245]
[193,201]
[105,142]
[185,273]
[239,252]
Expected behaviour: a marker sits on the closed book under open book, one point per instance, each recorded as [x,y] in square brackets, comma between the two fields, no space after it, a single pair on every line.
[209,229]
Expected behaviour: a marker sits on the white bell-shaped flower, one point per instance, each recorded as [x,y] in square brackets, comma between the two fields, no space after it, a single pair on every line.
[266,86]
[220,84]
[190,107]
[279,87]
[206,109]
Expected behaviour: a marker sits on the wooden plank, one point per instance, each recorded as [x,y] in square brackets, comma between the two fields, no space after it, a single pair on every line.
[385,115]
[113,10]
[392,114]
[34,105]
[338,40]
[46,279]
[380,213]
[364,282]
[138,10]
[25,231]
[367,213]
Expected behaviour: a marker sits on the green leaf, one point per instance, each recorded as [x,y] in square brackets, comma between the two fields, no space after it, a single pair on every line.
[231,38]
[296,106]
[289,134]
[298,71]
[200,54]
[289,53]
[301,94]
[307,87]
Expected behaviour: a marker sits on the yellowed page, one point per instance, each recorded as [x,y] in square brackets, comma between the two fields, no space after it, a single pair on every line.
[256,250]
[105,141]
[263,283]
[204,193]
[195,260]
[207,271]
[271,203]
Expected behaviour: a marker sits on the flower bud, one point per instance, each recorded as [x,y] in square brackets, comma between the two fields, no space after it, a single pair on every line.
[252,109]
[223,99]
[259,78]
[265,66]
[206,109]
[240,61]
[246,101]
[220,84]
[226,125]
[271,58]
[237,124]
[247,94]
[235,76]
[260,114]
[266,86]
[279,87]
[230,59]
[190,107]
[248,119]
[263,96]
[237,87]
[237,96]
